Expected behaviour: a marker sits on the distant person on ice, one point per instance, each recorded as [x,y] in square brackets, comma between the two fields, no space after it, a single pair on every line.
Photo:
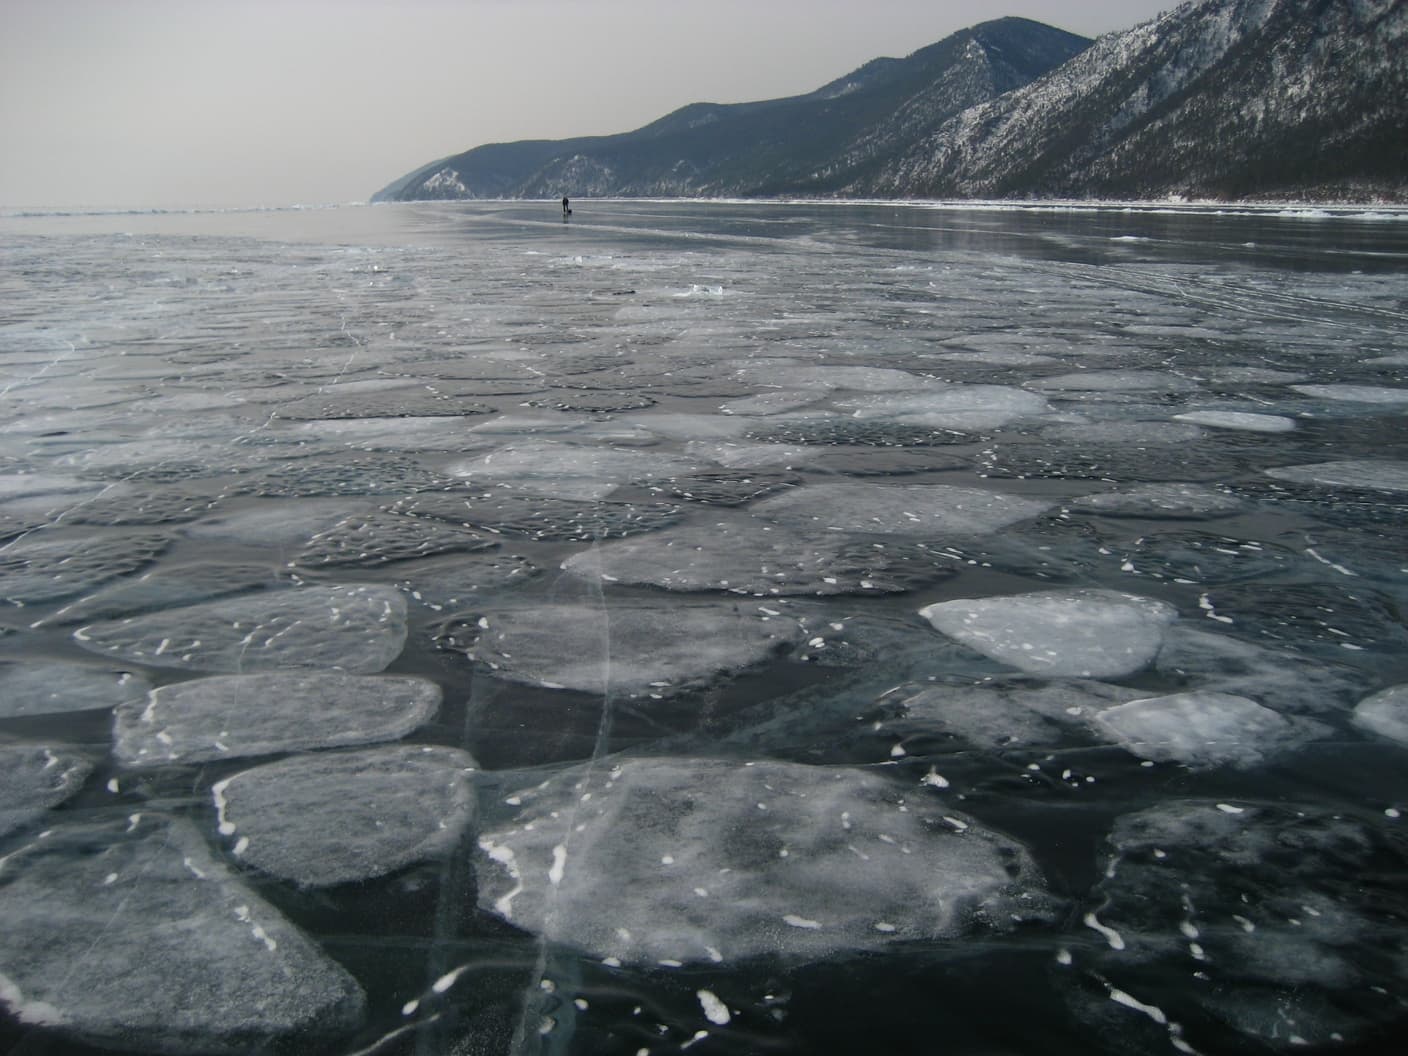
[566,209]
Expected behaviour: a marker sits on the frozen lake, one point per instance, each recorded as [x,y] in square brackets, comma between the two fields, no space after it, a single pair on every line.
[725,628]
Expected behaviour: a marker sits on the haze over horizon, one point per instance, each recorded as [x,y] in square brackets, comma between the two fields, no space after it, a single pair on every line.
[164,103]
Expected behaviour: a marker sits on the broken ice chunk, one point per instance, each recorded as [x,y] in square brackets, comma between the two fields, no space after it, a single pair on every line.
[1375,475]
[1059,633]
[1385,713]
[1204,729]
[359,628]
[59,686]
[626,650]
[860,853]
[1247,422]
[131,934]
[334,818]
[916,510]
[1160,501]
[35,777]
[230,716]
[966,408]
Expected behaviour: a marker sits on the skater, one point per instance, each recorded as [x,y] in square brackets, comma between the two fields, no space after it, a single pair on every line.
[566,208]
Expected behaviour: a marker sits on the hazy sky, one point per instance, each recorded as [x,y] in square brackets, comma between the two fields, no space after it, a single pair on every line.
[145,103]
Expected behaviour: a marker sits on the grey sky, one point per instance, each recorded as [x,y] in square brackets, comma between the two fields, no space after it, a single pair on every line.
[148,103]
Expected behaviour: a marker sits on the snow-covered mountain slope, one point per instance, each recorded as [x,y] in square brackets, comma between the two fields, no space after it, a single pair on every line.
[1218,98]
[815,143]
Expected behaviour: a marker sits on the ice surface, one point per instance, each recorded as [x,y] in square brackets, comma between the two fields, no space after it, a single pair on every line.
[334,818]
[466,579]
[751,557]
[359,628]
[278,525]
[45,567]
[123,505]
[233,716]
[33,778]
[1114,381]
[997,714]
[344,474]
[275,399]
[38,688]
[770,403]
[929,511]
[730,488]
[1254,423]
[569,471]
[1059,633]
[1384,475]
[1199,557]
[1280,678]
[130,933]
[697,860]
[1204,729]
[624,650]
[965,408]
[541,516]
[1385,713]
[363,541]
[1373,394]
[384,401]
[1277,906]
[167,587]
[1160,500]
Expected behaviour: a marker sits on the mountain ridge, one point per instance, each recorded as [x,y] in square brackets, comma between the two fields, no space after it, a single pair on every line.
[752,148]
[1215,99]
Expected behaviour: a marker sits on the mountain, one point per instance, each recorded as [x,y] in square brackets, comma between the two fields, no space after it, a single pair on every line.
[819,143]
[1219,98]
[1223,99]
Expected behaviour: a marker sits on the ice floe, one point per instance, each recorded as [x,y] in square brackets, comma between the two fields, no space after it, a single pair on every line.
[131,934]
[48,567]
[541,516]
[748,556]
[48,688]
[1372,394]
[1059,633]
[334,818]
[1278,908]
[1374,475]
[1160,500]
[996,714]
[681,860]
[1204,729]
[1113,381]
[930,511]
[33,778]
[572,471]
[366,540]
[1385,713]
[1248,422]
[622,649]
[359,628]
[964,408]
[233,716]
[168,587]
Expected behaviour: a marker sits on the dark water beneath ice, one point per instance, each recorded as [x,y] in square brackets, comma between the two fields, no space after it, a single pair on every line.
[651,502]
